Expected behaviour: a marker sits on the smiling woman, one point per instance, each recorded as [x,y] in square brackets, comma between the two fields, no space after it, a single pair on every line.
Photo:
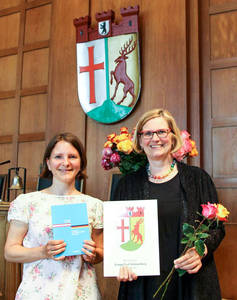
[30,238]
[180,190]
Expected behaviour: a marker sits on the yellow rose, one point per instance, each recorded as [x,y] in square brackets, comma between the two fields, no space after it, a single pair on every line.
[125,146]
[120,138]
[222,212]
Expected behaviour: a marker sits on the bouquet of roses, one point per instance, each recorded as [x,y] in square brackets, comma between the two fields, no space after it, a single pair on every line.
[195,237]
[118,152]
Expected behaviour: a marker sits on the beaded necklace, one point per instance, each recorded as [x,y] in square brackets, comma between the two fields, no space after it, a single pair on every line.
[160,177]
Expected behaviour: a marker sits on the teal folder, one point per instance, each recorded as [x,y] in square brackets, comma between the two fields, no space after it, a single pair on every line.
[70,223]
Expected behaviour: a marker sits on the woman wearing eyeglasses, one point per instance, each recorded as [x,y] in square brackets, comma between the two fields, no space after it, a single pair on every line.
[180,190]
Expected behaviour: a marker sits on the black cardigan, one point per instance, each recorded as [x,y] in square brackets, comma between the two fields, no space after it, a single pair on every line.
[196,188]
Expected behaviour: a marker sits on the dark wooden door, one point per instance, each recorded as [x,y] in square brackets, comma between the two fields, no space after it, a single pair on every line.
[219,127]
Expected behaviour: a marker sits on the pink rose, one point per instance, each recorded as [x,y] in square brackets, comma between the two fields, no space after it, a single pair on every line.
[107,152]
[115,158]
[184,134]
[209,210]
[106,164]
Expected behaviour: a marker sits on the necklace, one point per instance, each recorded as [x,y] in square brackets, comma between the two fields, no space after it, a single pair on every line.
[160,177]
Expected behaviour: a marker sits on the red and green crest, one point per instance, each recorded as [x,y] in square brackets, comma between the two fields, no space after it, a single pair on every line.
[108,65]
[132,228]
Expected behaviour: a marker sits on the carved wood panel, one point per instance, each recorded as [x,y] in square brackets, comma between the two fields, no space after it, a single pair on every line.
[219,57]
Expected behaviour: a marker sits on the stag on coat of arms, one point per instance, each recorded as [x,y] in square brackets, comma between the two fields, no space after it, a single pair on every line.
[120,73]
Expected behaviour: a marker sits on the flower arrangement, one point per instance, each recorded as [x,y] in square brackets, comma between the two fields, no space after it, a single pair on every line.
[195,237]
[118,152]
[188,149]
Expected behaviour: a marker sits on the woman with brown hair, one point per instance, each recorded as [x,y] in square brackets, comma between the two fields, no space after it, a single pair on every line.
[180,190]
[30,238]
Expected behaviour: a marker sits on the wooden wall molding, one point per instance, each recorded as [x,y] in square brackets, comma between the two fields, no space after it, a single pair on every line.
[36,46]
[6,139]
[31,137]
[222,8]
[34,91]
[7,52]
[223,63]
[7,95]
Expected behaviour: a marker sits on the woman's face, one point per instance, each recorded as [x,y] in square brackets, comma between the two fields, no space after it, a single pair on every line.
[155,147]
[64,162]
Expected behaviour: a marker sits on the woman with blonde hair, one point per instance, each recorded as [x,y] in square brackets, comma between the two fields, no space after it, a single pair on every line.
[180,190]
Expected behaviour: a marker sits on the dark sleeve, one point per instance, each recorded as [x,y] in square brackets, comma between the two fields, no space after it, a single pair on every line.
[209,194]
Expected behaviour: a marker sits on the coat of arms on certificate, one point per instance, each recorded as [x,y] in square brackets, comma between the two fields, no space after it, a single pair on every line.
[131,237]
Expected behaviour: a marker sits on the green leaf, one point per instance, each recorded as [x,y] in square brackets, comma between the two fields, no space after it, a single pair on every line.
[184,240]
[181,272]
[188,230]
[203,228]
[203,235]
[199,246]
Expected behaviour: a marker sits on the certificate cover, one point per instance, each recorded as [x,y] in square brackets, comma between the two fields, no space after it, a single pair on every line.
[131,237]
[70,223]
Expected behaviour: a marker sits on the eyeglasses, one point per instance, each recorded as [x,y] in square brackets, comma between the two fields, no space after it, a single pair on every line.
[161,133]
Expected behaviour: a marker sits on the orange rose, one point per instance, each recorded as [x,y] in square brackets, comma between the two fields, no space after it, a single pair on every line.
[111,136]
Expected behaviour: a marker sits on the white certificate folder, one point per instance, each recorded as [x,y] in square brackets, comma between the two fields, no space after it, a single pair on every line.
[131,237]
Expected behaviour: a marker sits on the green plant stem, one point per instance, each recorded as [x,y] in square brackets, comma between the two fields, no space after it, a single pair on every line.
[164,282]
[169,277]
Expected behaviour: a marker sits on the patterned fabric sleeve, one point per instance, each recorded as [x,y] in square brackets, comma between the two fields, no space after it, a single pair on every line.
[19,210]
[98,218]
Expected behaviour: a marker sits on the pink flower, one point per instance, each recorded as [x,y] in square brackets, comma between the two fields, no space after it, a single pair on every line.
[105,163]
[107,152]
[184,134]
[209,210]
[186,147]
[115,158]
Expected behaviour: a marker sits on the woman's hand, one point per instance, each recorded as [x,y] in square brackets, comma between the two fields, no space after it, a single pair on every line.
[54,247]
[89,248]
[126,274]
[191,261]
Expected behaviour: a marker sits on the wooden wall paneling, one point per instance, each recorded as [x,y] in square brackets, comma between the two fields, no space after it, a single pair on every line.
[10,35]
[7,108]
[35,68]
[223,35]
[193,76]
[220,122]
[9,3]
[33,113]
[64,110]
[38,24]
[227,271]
[5,154]
[224,158]
[8,67]
[30,157]
[224,86]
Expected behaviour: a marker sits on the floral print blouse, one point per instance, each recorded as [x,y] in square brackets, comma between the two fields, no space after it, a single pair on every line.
[47,279]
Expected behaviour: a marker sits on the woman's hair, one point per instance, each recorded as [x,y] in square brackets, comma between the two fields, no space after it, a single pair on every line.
[75,142]
[154,113]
